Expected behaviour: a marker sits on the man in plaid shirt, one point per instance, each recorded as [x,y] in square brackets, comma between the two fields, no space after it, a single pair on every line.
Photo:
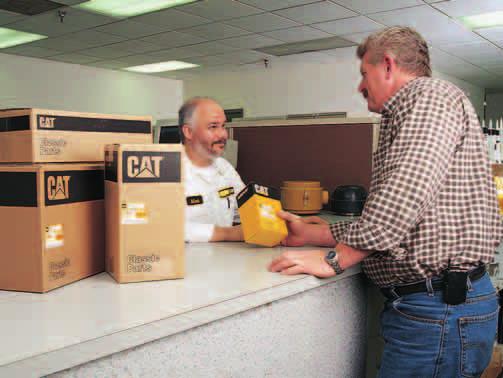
[431,221]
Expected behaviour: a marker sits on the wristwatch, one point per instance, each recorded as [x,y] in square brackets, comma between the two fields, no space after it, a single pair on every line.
[333,260]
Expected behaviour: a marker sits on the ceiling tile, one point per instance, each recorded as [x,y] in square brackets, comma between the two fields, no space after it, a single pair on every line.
[251,41]
[171,19]
[476,53]
[357,37]
[201,49]
[178,53]
[71,2]
[49,23]
[262,22]
[131,29]
[31,51]
[493,34]
[109,64]
[8,17]
[461,8]
[105,52]
[215,31]
[433,25]
[297,34]
[73,58]
[63,43]
[137,60]
[207,60]
[220,9]
[172,39]
[243,57]
[271,5]
[441,60]
[366,6]
[134,46]
[317,12]
[95,38]
[349,25]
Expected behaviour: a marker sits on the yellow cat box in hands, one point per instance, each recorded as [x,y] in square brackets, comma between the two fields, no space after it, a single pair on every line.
[258,206]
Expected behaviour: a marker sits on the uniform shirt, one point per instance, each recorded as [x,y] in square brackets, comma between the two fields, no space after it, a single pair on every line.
[211,198]
[432,198]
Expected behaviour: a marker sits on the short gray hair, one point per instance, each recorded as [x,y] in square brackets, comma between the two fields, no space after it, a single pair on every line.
[187,111]
[407,46]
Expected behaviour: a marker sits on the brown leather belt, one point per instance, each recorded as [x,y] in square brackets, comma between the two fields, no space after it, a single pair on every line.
[420,287]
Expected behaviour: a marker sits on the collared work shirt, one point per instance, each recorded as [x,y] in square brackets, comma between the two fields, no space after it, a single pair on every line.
[210,198]
[432,199]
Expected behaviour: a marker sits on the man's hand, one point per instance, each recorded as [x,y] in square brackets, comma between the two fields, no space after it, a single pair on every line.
[297,262]
[313,220]
[297,230]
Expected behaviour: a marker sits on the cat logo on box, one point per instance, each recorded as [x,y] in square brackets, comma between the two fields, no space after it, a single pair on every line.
[151,166]
[144,166]
[58,187]
[47,122]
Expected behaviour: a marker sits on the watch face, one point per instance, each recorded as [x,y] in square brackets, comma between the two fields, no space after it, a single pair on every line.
[331,255]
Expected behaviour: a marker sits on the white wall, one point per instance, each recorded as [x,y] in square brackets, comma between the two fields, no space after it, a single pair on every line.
[30,82]
[308,83]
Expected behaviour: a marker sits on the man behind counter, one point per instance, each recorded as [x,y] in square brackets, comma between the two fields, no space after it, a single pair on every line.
[211,183]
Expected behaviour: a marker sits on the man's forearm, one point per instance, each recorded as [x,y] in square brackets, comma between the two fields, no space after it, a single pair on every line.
[320,235]
[233,233]
[349,256]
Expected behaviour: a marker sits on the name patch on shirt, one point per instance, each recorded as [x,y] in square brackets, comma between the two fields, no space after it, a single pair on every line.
[226,192]
[195,200]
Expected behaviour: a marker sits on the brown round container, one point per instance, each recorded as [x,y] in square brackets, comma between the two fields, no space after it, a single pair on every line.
[303,197]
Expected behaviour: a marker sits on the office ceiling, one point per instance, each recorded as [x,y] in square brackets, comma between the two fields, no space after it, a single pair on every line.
[226,33]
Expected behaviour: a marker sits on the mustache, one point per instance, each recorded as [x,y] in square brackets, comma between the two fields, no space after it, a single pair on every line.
[222,141]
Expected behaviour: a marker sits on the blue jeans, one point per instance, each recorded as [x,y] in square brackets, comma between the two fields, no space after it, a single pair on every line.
[425,337]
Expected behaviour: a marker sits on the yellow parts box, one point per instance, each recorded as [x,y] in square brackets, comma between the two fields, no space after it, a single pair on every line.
[145,210]
[51,225]
[47,136]
[258,206]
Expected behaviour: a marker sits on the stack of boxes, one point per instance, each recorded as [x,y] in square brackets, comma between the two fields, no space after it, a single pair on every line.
[52,218]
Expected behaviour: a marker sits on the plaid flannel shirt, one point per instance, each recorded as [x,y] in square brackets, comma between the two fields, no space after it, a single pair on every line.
[432,200]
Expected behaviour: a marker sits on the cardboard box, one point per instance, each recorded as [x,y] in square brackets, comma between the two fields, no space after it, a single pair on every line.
[258,206]
[51,225]
[43,136]
[145,212]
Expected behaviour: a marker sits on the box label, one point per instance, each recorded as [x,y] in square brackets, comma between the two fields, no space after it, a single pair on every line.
[54,236]
[57,269]
[134,213]
[15,123]
[142,264]
[111,166]
[51,146]
[100,125]
[18,189]
[143,166]
[73,186]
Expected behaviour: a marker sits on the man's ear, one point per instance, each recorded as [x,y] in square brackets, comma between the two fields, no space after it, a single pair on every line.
[389,65]
[187,132]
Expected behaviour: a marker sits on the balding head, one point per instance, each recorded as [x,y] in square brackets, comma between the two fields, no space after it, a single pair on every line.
[188,112]
[202,128]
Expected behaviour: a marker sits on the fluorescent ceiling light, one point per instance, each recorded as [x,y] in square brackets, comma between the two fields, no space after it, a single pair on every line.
[11,37]
[484,20]
[172,65]
[129,8]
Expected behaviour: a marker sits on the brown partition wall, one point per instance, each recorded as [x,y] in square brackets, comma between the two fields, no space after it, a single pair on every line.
[338,154]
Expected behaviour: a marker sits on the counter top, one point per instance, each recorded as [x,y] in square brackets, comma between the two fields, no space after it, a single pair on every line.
[95,317]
